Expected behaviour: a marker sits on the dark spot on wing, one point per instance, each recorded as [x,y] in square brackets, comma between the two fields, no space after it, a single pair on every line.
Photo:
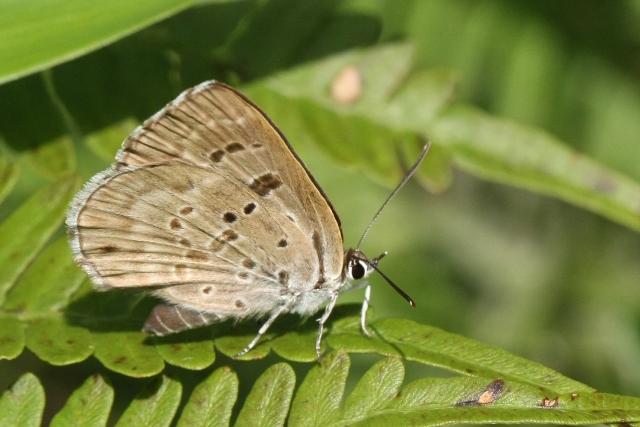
[256,145]
[186,210]
[239,304]
[216,156]
[180,269]
[197,256]
[207,290]
[185,242]
[216,245]
[229,217]
[283,277]
[175,224]
[265,183]
[282,243]
[249,208]
[247,263]
[106,249]
[243,275]
[234,147]
[291,218]
[229,235]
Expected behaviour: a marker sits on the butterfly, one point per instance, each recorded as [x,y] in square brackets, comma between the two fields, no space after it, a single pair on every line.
[208,206]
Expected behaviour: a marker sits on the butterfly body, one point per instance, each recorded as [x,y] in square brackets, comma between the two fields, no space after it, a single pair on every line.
[209,207]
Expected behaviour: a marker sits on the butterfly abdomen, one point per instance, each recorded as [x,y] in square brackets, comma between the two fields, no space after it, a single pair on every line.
[168,319]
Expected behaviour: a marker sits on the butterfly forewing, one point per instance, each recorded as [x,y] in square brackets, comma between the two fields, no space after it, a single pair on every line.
[206,198]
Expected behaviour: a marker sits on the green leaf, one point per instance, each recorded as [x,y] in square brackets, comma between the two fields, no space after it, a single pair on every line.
[23,239]
[212,400]
[55,263]
[9,173]
[11,337]
[268,402]
[318,399]
[375,389]
[127,353]
[433,346]
[58,343]
[89,405]
[68,29]
[377,400]
[155,405]
[297,346]
[190,350]
[395,103]
[513,154]
[52,159]
[22,404]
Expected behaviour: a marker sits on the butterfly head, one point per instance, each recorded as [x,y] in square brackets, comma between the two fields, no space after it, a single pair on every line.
[357,266]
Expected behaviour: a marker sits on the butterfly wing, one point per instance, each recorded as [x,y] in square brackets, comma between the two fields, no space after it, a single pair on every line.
[206,199]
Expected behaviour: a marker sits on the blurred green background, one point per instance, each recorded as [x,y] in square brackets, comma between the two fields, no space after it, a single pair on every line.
[539,277]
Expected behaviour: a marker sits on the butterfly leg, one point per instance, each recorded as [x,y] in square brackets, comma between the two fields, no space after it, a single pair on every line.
[322,320]
[263,329]
[363,313]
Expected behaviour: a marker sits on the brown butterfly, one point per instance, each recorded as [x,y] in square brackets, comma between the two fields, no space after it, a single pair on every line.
[208,206]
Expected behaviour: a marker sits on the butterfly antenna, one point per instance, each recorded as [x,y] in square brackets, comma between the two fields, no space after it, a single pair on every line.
[406,178]
[373,264]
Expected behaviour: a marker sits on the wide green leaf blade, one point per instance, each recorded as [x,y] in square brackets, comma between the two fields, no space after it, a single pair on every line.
[212,400]
[396,100]
[433,346]
[155,405]
[269,399]
[89,405]
[465,400]
[30,227]
[38,34]
[513,154]
[22,404]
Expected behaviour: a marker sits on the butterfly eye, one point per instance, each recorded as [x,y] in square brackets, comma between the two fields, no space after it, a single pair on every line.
[358,270]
